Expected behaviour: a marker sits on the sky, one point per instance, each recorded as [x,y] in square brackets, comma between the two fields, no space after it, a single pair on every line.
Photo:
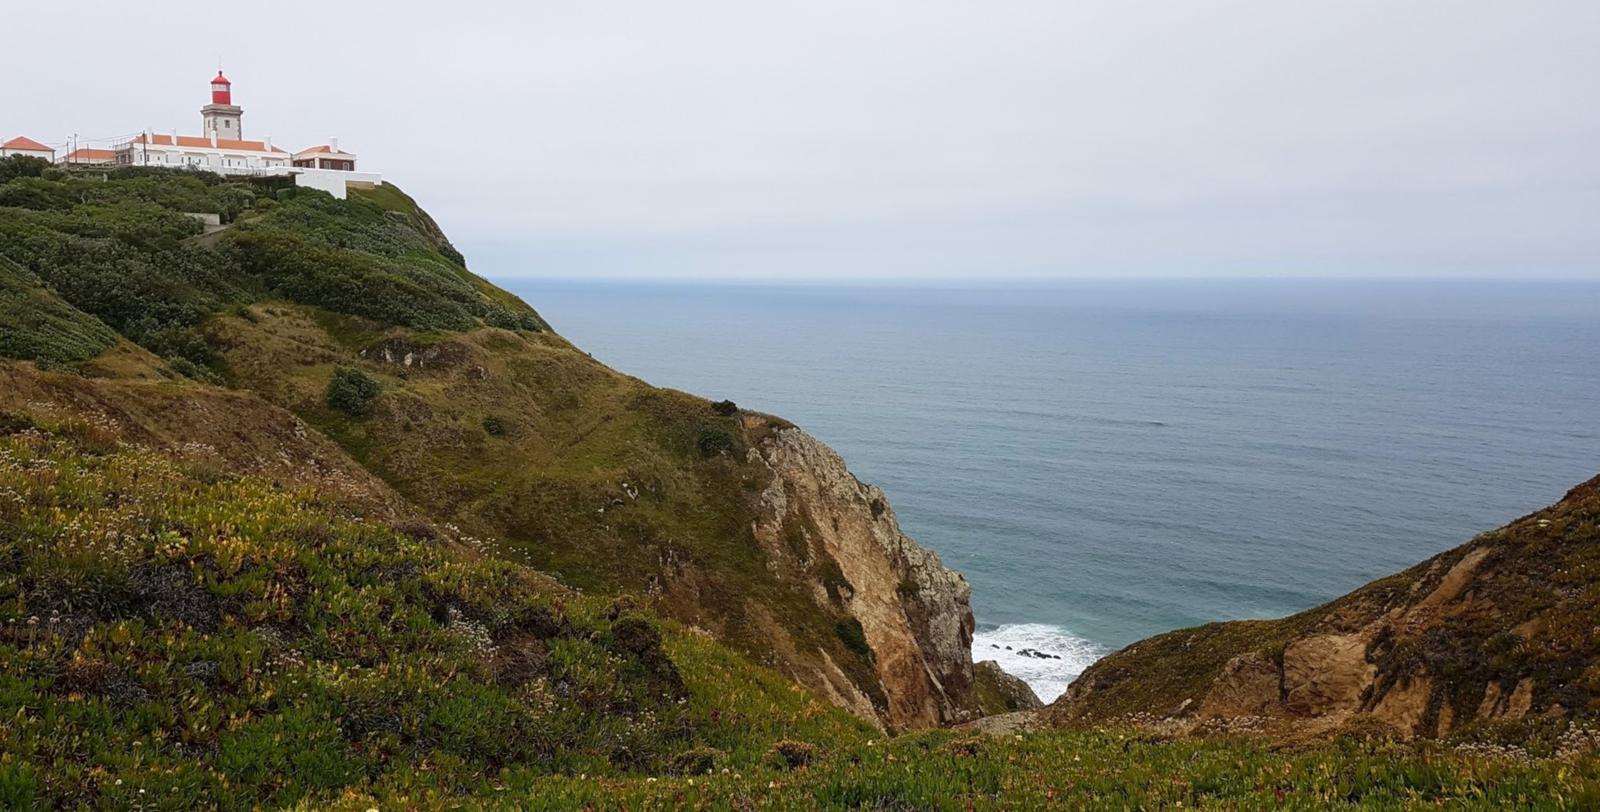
[920,139]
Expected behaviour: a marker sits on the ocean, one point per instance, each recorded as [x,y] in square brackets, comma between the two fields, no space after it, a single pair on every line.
[1110,460]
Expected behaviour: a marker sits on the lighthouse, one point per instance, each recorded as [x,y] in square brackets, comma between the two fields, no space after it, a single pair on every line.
[223,119]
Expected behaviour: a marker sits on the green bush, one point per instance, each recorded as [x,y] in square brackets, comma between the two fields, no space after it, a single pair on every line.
[497,315]
[21,166]
[696,761]
[494,426]
[726,408]
[35,325]
[714,443]
[352,391]
[791,754]
[853,636]
[118,246]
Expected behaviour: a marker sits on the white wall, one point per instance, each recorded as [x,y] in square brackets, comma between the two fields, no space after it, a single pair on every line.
[332,181]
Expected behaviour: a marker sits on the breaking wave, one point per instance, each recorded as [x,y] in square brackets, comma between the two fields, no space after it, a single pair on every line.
[1065,655]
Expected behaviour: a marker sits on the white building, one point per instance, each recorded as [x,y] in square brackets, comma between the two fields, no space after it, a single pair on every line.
[222,148]
[23,145]
[224,156]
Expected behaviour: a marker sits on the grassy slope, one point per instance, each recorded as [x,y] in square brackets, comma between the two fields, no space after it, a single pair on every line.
[35,325]
[597,477]
[181,635]
[178,637]
[229,611]
[301,283]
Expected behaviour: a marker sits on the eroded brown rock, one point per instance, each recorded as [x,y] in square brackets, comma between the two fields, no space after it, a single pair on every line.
[914,611]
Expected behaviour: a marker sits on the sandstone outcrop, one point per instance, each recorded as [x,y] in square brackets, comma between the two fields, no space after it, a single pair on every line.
[913,611]
[1497,630]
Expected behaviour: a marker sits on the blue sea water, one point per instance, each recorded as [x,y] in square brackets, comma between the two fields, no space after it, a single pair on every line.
[1110,460]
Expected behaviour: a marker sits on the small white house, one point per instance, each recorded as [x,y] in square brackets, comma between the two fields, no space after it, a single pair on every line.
[326,156]
[23,145]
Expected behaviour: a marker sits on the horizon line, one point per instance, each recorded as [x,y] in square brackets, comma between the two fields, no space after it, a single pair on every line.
[973,281]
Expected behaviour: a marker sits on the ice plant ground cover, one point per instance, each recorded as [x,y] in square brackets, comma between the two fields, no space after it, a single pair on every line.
[175,636]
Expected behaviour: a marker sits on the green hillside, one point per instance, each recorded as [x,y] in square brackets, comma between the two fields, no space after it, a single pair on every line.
[483,416]
[176,635]
[302,514]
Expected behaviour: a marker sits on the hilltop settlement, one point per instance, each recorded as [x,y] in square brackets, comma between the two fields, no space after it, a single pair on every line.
[220,147]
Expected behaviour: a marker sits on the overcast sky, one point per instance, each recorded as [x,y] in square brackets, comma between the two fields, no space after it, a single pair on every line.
[922,138]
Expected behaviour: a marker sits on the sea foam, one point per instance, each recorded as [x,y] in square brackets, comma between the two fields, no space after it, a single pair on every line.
[1046,675]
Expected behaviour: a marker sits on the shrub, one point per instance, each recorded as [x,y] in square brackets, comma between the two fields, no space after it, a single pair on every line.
[726,408]
[972,746]
[696,760]
[352,391]
[22,166]
[853,636]
[192,370]
[714,442]
[37,326]
[494,426]
[496,315]
[790,754]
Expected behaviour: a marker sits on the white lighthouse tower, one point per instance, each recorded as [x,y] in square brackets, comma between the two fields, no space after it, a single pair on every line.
[224,120]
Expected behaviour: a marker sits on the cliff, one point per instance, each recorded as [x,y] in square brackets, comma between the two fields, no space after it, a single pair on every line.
[305,515]
[1501,630]
[911,611]
[480,415]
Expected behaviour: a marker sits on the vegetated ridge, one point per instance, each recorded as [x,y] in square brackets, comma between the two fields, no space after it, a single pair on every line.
[474,412]
[303,514]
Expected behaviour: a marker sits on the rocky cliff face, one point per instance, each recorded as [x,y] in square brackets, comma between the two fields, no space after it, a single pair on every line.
[912,611]
[733,522]
[476,414]
[1501,629]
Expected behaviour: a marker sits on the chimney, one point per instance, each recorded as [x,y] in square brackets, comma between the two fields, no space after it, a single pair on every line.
[266,142]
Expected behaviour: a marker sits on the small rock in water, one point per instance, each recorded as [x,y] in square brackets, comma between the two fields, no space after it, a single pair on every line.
[1038,655]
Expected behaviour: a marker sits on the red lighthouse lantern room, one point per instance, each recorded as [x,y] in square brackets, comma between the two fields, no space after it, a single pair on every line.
[221,90]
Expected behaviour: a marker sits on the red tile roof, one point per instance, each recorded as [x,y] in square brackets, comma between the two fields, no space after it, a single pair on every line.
[91,155]
[320,149]
[23,142]
[205,142]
